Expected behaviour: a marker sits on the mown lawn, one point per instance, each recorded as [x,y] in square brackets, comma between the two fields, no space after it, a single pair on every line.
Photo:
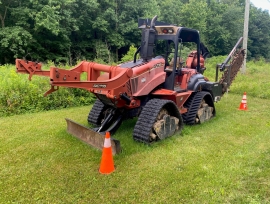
[226,160]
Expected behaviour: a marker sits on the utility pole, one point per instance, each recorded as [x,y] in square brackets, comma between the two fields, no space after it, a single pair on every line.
[245,34]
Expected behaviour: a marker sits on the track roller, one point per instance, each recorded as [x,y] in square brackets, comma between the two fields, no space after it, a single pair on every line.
[200,108]
[159,119]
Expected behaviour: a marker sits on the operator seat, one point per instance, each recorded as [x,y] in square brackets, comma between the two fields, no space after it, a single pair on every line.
[191,61]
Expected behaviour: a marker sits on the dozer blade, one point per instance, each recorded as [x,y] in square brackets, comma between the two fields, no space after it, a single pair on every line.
[91,137]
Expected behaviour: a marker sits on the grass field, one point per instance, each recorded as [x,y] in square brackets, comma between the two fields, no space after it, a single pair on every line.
[226,160]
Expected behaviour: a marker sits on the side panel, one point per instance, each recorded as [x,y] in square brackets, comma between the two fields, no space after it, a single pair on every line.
[178,98]
[147,81]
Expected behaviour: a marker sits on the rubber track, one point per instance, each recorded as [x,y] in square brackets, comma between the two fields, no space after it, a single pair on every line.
[95,114]
[147,119]
[193,105]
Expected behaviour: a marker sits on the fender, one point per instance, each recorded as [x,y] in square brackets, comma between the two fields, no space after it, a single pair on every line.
[195,82]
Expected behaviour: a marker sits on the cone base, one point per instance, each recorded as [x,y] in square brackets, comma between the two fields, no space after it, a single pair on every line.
[243,107]
[102,172]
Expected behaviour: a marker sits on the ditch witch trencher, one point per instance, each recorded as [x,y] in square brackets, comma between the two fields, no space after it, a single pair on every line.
[159,88]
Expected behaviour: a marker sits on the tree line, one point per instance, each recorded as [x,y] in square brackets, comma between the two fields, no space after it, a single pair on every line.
[66,31]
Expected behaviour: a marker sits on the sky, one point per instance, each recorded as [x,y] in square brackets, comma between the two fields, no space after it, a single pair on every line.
[263,4]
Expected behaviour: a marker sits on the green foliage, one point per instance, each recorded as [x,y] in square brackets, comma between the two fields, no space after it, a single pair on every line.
[103,53]
[185,52]
[224,26]
[259,37]
[194,14]
[130,54]
[48,18]
[14,41]
[18,95]
[171,11]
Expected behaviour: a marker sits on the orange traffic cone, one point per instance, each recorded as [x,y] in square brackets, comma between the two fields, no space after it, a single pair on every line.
[243,104]
[106,164]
